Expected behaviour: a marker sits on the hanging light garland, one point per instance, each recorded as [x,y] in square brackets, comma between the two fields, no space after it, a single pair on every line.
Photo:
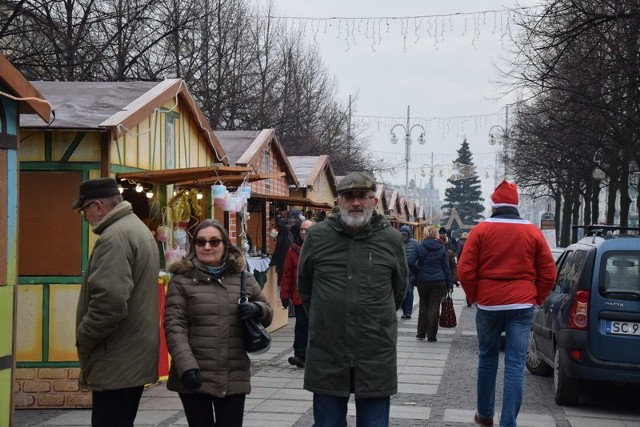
[443,125]
[412,28]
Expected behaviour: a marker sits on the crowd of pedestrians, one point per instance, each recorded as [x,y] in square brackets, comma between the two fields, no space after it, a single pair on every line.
[342,275]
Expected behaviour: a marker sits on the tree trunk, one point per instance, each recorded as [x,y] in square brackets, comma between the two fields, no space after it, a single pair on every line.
[611,201]
[595,203]
[567,210]
[588,194]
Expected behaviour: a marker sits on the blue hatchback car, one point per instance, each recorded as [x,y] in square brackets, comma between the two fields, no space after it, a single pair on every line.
[589,326]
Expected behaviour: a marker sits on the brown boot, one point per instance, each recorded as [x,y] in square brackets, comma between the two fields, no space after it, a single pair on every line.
[488,422]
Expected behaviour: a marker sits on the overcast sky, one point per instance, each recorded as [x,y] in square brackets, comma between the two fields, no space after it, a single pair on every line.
[440,63]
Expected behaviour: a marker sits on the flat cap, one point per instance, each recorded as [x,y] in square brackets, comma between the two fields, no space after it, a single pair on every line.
[96,189]
[356,181]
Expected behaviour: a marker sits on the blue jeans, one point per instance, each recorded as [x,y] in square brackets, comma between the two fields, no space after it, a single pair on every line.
[516,325]
[331,411]
[407,303]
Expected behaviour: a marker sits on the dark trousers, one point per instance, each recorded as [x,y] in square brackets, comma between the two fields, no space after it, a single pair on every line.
[301,333]
[199,409]
[115,408]
[431,294]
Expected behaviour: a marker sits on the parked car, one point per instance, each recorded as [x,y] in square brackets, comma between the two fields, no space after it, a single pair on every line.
[556,252]
[589,326]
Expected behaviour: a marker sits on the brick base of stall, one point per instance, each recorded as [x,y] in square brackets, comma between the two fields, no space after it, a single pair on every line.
[49,388]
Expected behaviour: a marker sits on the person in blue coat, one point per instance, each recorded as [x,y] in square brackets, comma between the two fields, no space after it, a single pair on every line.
[433,279]
[411,251]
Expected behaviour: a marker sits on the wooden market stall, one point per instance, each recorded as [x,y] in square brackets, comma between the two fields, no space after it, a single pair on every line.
[17,96]
[261,151]
[317,191]
[100,129]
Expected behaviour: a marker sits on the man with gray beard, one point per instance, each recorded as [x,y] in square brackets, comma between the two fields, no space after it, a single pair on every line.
[352,278]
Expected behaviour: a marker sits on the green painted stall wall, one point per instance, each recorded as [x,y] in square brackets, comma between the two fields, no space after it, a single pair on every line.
[6,339]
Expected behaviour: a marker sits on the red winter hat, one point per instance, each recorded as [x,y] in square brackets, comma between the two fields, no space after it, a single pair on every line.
[505,194]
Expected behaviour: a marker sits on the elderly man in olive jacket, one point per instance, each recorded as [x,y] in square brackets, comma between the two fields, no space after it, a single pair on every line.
[117,323]
[352,278]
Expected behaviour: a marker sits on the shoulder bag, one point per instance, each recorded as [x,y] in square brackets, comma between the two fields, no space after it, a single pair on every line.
[256,338]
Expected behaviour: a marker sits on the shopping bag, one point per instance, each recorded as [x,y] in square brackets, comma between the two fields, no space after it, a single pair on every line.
[447,313]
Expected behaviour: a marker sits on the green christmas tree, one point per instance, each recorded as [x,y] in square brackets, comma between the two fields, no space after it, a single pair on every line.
[465,192]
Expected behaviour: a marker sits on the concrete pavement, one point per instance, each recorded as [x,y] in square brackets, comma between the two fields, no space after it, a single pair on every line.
[436,388]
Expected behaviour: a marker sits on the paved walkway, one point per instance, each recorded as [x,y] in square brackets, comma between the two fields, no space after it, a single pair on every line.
[436,388]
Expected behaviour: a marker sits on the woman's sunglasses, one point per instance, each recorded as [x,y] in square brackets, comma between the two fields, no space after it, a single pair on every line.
[214,243]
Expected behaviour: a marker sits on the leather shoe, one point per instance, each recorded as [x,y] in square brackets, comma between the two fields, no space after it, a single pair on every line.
[488,422]
[296,361]
[432,339]
[420,337]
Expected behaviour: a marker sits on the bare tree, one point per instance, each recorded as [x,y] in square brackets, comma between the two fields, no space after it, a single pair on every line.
[579,61]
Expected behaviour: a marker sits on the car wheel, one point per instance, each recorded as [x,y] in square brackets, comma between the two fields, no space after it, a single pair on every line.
[534,363]
[567,390]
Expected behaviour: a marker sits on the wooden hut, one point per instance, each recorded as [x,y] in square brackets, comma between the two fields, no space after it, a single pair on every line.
[100,129]
[17,96]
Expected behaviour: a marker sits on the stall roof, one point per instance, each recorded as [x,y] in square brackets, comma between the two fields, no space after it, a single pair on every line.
[32,100]
[245,148]
[176,176]
[309,168]
[303,165]
[292,200]
[113,105]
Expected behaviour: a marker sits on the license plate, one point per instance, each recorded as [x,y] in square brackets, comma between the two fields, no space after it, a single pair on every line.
[623,328]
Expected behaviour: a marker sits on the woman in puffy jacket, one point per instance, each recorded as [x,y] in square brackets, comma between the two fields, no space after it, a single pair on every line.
[433,279]
[210,369]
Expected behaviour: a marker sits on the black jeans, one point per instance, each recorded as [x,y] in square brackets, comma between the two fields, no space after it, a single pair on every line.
[115,408]
[199,409]
[301,333]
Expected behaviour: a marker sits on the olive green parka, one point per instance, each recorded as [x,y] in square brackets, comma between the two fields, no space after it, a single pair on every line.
[351,286]
[117,319]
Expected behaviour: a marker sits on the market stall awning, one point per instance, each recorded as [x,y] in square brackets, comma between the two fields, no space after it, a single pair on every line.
[229,179]
[290,200]
[175,176]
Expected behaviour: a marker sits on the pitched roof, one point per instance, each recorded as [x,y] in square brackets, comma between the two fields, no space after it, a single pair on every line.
[245,148]
[117,105]
[236,142]
[303,165]
[32,100]
[309,168]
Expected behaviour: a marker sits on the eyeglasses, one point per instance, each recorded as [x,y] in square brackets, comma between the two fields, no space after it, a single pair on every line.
[214,243]
[362,198]
[82,209]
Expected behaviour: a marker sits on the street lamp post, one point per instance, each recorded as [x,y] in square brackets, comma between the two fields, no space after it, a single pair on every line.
[407,141]
[504,131]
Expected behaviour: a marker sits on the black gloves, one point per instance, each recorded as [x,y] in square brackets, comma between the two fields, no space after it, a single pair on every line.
[249,310]
[191,379]
[285,302]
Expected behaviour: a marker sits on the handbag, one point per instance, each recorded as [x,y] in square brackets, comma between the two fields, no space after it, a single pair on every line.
[447,313]
[255,337]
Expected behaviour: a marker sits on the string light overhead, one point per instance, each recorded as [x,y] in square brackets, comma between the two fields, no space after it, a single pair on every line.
[415,28]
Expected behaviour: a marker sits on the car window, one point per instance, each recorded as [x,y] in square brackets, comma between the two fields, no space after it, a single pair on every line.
[569,271]
[620,272]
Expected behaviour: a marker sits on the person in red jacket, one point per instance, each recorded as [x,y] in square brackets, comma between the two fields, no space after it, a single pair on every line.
[506,269]
[289,291]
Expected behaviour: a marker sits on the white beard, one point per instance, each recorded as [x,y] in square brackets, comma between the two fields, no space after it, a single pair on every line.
[355,222]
